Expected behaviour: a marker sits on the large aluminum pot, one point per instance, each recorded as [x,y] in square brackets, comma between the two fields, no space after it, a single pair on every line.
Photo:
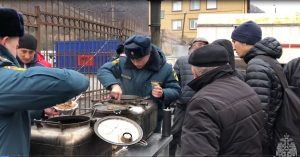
[67,136]
[139,109]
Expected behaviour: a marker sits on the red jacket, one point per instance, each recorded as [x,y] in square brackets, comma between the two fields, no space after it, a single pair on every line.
[41,59]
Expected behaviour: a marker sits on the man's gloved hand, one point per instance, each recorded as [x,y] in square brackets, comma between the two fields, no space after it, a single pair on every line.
[116,92]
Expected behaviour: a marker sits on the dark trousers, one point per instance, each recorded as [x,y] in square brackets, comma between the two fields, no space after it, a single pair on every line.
[176,130]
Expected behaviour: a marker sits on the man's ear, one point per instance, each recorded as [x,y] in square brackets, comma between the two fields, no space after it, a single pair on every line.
[4,40]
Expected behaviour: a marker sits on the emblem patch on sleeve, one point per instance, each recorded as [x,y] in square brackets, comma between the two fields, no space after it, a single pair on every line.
[115,62]
[175,76]
[14,68]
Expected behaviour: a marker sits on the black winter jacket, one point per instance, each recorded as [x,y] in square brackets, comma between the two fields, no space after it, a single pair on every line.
[292,72]
[219,122]
[184,72]
[263,79]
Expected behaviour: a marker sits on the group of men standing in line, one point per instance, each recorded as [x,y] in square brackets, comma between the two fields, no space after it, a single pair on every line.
[218,109]
[226,115]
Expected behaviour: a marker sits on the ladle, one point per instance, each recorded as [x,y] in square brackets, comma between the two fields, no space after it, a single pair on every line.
[77,97]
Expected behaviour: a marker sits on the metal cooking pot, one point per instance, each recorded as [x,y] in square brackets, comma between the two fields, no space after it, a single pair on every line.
[77,135]
[67,136]
[104,109]
[139,109]
[112,129]
[64,122]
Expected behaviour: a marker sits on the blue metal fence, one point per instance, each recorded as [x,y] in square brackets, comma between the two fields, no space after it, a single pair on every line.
[84,56]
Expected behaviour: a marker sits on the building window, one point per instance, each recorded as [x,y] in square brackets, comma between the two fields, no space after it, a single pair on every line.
[177,6]
[194,4]
[162,14]
[193,23]
[211,4]
[176,25]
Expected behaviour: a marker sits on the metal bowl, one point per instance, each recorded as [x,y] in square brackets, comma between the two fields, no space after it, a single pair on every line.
[69,111]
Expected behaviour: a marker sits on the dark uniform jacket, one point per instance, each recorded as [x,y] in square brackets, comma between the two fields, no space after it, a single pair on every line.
[34,114]
[32,89]
[292,72]
[184,72]
[135,81]
[263,79]
[224,117]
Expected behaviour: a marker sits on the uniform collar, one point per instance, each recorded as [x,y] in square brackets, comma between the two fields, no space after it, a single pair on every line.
[154,63]
[7,59]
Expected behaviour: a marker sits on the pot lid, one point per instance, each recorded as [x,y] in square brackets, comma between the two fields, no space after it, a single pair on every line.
[130,97]
[109,107]
[118,130]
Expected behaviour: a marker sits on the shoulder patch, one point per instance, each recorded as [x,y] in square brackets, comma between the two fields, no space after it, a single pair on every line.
[115,62]
[175,76]
[155,83]
[14,68]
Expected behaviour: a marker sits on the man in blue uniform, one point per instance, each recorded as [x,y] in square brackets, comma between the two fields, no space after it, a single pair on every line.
[145,66]
[22,90]
[27,58]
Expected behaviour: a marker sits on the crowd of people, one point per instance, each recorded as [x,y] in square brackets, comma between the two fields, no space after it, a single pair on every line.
[219,110]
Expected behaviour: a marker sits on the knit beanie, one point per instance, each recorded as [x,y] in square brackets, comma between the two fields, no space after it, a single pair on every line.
[209,56]
[12,23]
[248,32]
[227,44]
[28,41]
[137,46]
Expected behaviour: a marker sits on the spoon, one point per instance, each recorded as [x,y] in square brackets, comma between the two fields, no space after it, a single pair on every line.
[77,97]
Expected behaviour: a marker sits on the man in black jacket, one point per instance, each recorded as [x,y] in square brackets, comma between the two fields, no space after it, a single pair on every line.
[184,73]
[224,117]
[292,72]
[260,75]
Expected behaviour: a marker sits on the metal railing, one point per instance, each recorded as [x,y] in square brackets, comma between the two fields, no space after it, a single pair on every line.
[71,37]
